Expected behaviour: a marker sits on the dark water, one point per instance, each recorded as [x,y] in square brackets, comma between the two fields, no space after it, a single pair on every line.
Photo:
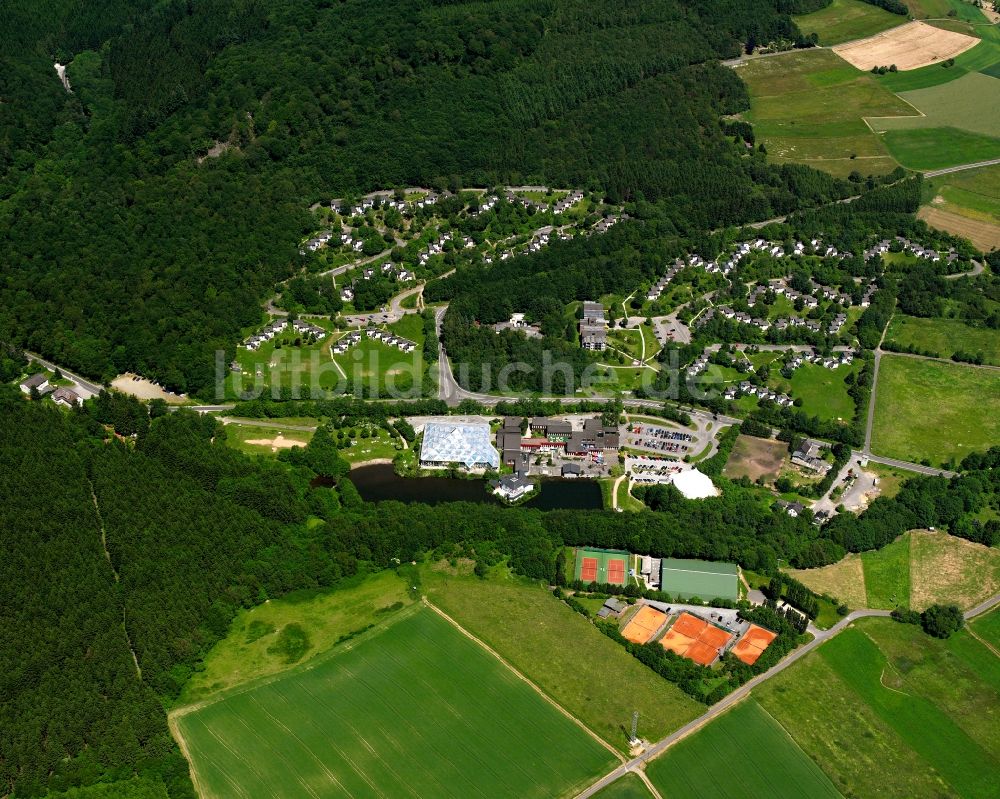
[379,482]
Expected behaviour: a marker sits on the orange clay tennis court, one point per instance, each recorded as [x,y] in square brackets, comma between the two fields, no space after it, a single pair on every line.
[753,643]
[588,571]
[602,566]
[644,624]
[695,639]
[616,572]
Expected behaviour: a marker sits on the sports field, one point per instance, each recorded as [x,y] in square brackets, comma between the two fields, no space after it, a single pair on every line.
[845,20]
[918,569]
[563,653]
[415,709]
[934,410]
[887,711]
[602,565]
[687,578]
[743,753]
[808,106]
[944,336]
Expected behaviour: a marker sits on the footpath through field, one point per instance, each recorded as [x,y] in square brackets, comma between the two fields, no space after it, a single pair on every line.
[636,764]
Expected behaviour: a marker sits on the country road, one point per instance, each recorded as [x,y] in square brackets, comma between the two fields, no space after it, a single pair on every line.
[86,385]
[933,173]
[636,764]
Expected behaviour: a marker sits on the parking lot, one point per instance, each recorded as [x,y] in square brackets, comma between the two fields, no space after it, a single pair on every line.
[651,470]
[662,440]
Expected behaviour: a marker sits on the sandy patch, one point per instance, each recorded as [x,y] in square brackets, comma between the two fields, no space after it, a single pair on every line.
[276,443]
[944,568]
[985,235]
[909,46]
[844,580]
[756,457]
[144,389]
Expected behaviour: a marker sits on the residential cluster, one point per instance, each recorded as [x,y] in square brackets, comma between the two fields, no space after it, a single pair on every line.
[270,331]
[348,340]
[60,395]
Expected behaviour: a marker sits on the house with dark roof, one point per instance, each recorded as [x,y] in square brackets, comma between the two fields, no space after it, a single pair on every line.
[39,382]
[66,397]
[512,487]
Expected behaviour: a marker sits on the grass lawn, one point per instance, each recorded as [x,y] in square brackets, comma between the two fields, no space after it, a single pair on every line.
[936,148]
[563,653]
[887,575]
[269,440]
[845,20]
[944,568]
[380,445]
[844,580]
[987,627]
[249,650]
[627,787]
[933,410]
[627,341]
[887,711]
[823,391]
[890,479]
[944,336]
[413,709]
[378,366]
[626,501]
[287,365]
[809,107]
[744,752]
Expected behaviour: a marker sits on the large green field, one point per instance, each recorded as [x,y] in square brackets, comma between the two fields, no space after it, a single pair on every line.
[627,787]
[823,391]
[887,575]
[415,709]
[987,627]
[934,410]
[937,148]
[742,753]
[971,103]
[845,20]
[887,711]
[585,671]
[944,336]
[809,107]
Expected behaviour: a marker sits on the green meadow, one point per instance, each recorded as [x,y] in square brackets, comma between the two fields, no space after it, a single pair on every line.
[971,103]
[743,753]
[974,193]
[846,20]
[887,575]
[944,337]
[627,787]
[413,709]
[934,411]
[809,107]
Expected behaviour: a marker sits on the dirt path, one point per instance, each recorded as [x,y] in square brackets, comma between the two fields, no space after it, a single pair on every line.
[983,641]
[521,676]
[114,571]
[614,492]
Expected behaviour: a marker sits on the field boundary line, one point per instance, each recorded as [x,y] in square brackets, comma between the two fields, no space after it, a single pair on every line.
[182,744]
[529,682]
[983,641]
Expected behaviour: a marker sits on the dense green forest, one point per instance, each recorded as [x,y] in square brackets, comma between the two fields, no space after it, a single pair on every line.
[126,248]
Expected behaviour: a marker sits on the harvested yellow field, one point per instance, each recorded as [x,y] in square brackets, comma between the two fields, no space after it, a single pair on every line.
[985,235]
[910,46]
[947,569]
[844,580]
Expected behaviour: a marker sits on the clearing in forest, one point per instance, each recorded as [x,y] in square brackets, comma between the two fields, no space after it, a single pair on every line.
[908,47]
[755,458]
[412,709]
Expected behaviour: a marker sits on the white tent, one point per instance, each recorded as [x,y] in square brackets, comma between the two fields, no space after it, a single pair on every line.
[694,484]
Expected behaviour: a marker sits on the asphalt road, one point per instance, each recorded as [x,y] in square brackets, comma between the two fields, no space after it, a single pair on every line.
[88,386]
[933,173]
